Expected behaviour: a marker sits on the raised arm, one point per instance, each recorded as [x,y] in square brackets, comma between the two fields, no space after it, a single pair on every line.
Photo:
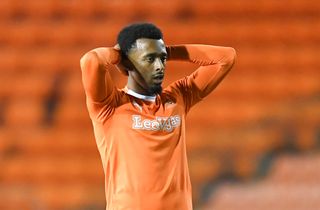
[214,61]
[95,66]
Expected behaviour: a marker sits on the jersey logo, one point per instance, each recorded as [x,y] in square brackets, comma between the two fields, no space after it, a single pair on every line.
[159,124]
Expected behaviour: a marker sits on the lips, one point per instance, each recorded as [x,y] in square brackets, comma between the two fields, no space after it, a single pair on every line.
[158,78]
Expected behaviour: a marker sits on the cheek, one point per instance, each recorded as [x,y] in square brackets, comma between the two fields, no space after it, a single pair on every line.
[140,67]
[147,75]
[145,71]
[143,74]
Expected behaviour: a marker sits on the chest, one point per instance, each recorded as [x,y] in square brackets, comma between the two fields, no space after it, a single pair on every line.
[156,117]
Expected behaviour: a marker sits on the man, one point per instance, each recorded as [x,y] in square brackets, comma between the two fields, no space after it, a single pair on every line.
[140,129]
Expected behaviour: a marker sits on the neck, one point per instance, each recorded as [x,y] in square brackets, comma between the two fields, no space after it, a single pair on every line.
[132,85]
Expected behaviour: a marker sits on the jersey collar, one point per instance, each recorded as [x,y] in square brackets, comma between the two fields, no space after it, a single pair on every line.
[140,96]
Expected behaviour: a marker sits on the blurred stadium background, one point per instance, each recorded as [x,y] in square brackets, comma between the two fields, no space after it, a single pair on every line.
[254,143]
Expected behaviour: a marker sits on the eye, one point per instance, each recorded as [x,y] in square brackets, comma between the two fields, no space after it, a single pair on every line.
[164,59]
[150,59]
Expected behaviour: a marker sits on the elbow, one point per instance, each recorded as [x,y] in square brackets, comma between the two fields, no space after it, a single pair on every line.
[228,59]
[82,61]
[231,57]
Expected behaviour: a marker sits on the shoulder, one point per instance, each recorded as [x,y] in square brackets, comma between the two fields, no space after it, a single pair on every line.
[177,86]
[176,89]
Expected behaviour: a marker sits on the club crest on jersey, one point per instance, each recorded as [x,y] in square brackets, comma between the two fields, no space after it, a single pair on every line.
[160,123]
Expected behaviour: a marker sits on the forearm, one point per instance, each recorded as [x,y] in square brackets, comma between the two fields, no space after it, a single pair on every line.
[202,55]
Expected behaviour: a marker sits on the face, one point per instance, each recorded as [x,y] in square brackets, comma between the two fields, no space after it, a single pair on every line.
[148,57]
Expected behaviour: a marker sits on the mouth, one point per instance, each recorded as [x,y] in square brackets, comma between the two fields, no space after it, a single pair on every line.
[158,78]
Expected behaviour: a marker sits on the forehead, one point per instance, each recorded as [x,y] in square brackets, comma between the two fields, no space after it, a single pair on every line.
[145,46]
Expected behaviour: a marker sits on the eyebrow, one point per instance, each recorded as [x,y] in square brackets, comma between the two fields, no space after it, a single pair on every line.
[155,54]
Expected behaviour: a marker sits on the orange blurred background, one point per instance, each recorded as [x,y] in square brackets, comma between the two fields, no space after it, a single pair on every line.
[253,144]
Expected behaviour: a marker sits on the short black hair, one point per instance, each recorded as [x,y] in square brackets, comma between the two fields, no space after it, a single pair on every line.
[129,34]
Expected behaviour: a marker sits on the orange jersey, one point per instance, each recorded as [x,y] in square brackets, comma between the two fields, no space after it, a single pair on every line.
[141,139]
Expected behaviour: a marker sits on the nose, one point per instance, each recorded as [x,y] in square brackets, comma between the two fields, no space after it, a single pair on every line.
[159,65]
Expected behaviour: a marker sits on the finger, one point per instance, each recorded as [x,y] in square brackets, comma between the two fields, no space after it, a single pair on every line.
[117,47]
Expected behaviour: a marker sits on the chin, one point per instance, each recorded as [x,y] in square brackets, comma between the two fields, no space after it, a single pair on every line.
[156,89]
